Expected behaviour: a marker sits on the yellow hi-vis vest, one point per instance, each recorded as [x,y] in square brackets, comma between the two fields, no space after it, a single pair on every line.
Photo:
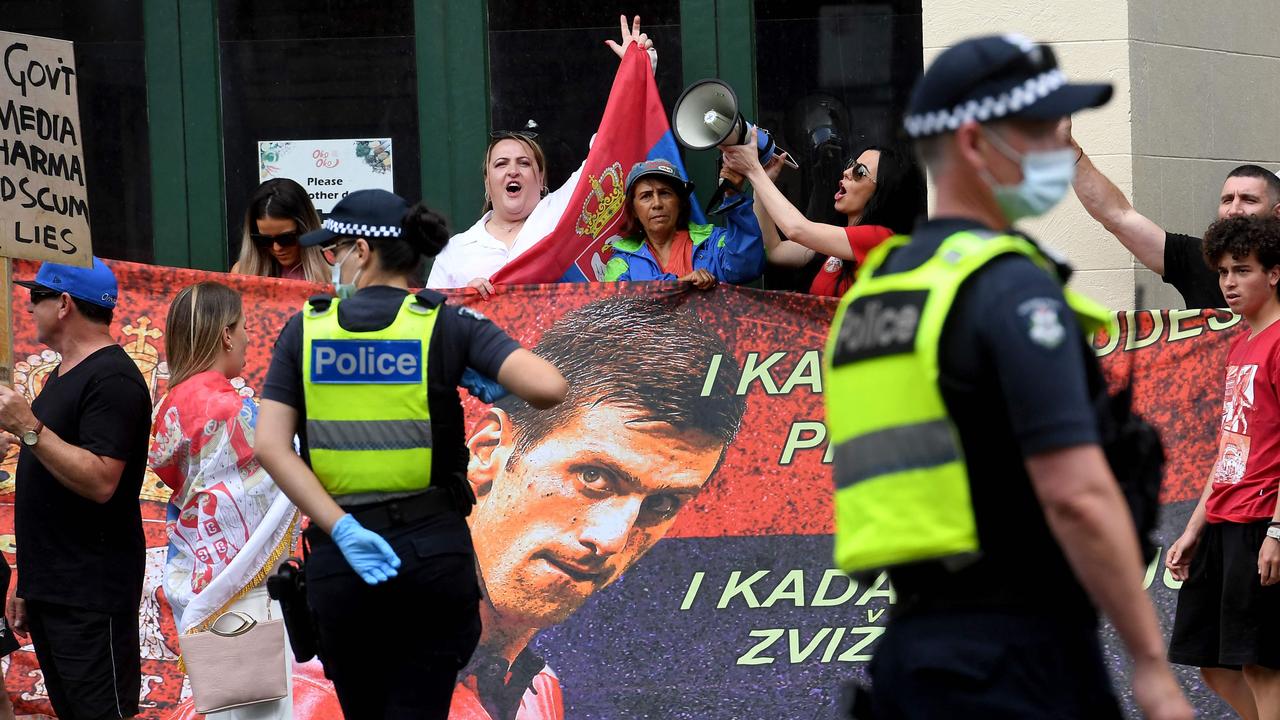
[902,488]
[368,426]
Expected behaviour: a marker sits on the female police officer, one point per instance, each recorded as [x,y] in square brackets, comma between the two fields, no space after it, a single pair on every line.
[368,381]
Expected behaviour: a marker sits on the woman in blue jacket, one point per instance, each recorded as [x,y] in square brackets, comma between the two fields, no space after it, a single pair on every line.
[658,243]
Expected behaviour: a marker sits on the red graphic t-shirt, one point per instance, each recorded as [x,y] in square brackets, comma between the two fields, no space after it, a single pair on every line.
[1247,472]
[830,281]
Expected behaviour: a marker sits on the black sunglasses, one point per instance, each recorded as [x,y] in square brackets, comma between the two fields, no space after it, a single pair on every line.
[38,295]
[283,239]
[860,170]
[511,134]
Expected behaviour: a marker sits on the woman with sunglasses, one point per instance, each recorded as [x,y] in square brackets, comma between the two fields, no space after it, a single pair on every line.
[518,208]
[881,192]
[279,212]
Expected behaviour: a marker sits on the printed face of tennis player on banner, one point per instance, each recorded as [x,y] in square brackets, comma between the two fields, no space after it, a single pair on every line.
[568,499]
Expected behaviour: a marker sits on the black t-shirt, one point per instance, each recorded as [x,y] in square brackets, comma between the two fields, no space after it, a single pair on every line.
[1013,378]
[461,338]
[72,550]
[1186,270]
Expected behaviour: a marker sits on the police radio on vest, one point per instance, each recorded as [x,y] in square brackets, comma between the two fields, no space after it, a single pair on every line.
[366,361]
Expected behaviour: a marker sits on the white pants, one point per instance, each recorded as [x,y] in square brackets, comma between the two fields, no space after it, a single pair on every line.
[255,606]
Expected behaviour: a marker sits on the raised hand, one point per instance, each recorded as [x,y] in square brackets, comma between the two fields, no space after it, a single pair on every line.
[742,159]
[631,35]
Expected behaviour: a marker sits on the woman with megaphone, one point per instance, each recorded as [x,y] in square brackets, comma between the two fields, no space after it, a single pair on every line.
[519,209]
[881,191]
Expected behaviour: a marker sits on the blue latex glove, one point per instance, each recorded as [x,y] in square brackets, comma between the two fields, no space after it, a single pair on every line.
[481,387]
[367,553]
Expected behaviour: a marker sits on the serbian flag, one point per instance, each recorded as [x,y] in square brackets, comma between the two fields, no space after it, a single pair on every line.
[634,128]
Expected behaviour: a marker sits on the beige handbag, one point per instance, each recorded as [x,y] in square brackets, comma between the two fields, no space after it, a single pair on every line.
[236,666]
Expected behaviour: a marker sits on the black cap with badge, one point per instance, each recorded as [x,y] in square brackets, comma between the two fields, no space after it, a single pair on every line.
[994,78]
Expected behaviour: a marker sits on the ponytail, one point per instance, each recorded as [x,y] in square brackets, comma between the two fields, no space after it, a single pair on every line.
[423,233]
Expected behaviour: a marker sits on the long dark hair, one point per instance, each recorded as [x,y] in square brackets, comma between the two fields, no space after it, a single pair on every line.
[899,198]
[287,200]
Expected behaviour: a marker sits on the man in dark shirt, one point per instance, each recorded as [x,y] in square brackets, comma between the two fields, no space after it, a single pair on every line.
[78,525]
[1010,629]
[1178,259]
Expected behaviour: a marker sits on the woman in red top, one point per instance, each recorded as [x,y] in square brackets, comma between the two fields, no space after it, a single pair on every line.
[882,193]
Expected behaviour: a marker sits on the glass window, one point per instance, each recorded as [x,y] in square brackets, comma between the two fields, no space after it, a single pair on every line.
[821,67]
[549,66]
[111,88]
[308,70]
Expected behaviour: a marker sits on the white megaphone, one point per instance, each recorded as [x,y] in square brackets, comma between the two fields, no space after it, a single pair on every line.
[706,115]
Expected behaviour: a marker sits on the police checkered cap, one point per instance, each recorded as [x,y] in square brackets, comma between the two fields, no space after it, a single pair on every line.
[992,78]
[363,213]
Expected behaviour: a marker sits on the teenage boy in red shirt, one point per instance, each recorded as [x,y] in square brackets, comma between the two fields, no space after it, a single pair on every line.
[1228,619]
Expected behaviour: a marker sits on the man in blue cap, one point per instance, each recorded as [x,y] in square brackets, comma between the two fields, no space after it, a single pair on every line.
[77,521]
[960,402]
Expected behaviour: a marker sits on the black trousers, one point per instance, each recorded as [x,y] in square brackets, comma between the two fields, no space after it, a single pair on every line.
[393,650]
[990,665]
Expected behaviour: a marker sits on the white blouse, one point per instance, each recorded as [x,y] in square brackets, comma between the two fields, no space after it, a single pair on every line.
[475,253]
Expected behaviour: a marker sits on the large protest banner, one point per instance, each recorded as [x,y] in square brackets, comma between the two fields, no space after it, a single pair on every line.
[721,604]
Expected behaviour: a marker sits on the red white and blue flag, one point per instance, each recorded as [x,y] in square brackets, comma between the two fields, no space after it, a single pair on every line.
[634,128]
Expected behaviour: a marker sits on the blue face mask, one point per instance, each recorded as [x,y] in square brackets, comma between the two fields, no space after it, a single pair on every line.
[340,289]
[1046,177]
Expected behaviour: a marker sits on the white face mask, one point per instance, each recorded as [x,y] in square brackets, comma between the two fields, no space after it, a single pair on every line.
[340,289]
[1046,177]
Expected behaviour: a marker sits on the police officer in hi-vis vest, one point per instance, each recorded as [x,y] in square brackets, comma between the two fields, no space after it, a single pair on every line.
[967,456]
[368,381]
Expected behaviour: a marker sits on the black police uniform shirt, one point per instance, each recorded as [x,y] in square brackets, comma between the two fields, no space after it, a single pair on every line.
[1186,270]
[72,550]
[461,338]
[1013,378]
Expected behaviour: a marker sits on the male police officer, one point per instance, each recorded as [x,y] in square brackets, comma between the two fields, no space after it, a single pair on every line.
[967,456]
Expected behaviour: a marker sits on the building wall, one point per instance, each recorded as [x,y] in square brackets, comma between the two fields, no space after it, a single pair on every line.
[1185,112]
[1200,108]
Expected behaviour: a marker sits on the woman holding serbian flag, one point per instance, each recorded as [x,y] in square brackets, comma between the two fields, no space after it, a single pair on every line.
[229,526]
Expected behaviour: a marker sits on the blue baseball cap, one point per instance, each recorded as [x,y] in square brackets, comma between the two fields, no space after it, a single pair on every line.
[363,213]
[95,285]
[995,77]
[658,168]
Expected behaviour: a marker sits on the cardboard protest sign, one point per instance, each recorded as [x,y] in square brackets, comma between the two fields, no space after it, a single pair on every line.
[44,207]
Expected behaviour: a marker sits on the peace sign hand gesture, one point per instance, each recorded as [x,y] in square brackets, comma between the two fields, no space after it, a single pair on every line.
[631,35]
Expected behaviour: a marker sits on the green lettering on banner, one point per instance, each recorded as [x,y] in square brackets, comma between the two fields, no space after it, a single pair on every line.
[791,588]
[804,435]
[807,372]
[1176,319]
[1131,340]
[820,598]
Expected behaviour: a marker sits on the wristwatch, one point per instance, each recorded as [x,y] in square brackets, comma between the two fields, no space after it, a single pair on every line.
[1274,532]
[31,437]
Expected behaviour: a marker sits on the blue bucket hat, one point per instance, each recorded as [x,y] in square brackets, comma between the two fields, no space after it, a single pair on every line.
[95,285]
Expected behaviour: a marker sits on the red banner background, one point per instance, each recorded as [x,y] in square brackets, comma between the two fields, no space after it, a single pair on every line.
[774,484]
